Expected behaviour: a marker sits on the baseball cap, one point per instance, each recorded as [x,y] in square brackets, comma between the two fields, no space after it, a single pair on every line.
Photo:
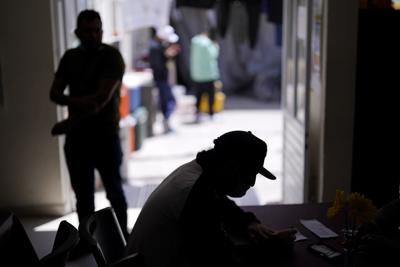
[167,33]
[245,147]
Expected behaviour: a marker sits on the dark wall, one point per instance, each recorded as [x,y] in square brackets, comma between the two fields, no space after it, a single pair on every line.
[376,151]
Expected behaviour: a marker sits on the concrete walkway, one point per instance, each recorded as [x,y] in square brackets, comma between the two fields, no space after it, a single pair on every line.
[162,153]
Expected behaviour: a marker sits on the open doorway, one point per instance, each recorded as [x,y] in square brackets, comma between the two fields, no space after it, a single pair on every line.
[251,77]
[250,72]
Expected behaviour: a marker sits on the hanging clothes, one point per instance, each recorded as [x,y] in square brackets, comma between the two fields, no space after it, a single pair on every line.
[196,3]
[253,10]
[275,11]
[223,12]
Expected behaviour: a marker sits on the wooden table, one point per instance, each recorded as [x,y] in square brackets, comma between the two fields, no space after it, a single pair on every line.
[287,215]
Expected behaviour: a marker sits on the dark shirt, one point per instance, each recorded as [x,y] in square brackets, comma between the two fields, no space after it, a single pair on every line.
[208,220]
[196,3]
[185,222]
[158,61]
[82,70]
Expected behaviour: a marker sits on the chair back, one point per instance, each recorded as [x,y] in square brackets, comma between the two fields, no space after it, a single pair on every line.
[104,236]
[66,239]
[16,248]
[5,228]
[131,260]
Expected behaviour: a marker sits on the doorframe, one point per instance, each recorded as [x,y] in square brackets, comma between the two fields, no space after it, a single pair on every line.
[337,97]
[328,166]
[295,99]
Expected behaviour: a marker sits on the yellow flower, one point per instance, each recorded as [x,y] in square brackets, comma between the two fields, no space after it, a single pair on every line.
[356,207]
[338,205]
[361,209]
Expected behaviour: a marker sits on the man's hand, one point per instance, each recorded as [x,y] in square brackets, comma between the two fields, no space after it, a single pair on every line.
[172,50]
[286,235]
[259,233]
[61,127]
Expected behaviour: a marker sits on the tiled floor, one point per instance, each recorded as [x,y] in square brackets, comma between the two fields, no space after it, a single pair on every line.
[162,153]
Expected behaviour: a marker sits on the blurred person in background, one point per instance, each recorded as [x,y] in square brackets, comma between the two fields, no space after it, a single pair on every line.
[204,69]
[163,46]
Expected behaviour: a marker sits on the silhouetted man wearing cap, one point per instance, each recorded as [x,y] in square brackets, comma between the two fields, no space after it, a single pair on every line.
[186,220]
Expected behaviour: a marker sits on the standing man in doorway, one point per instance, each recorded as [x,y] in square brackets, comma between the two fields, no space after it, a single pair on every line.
[93,73]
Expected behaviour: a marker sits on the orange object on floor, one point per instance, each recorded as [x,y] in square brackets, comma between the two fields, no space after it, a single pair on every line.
[124,102]
[132,139]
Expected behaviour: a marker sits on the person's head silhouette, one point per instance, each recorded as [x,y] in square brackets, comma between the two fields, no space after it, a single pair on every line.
[241,157]
[89,29]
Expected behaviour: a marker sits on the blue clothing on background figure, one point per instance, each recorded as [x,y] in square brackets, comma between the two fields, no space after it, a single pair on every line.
[158,58]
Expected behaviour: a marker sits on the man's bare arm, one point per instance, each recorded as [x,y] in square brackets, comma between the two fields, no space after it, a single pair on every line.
[87,105]
[84,107]
[57,92]
[107,88]
[58,96]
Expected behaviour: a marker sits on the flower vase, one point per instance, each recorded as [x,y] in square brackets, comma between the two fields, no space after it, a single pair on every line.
[349,244]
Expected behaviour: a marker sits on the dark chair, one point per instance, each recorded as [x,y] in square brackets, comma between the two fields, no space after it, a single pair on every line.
[67,238]
[133,260]
[16,248]
[102,233]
